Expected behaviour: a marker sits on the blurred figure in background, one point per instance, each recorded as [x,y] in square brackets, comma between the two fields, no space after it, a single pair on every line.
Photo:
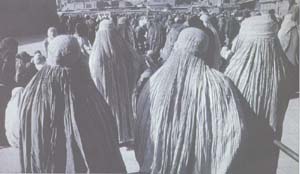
[25,69]
[84,43]
[8,51]
[156,36]
[289,39]
[51,34]
[126,31]
[39,60]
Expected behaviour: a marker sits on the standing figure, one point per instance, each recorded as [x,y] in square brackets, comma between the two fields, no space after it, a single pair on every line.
[114,67]
[8,51]
[51,34]
[126,31]
[66,125]
[215,42]
[259,69]
[84,43]
[191,119]
[156,37]
[172,36]
[289,39]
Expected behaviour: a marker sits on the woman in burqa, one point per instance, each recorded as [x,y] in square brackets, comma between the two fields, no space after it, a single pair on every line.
[289,39]
[259,69]
[126,31]
[215,43]
[191,118]
[114,67]
[66,125]
[8,51]
[171,39]
[156,36]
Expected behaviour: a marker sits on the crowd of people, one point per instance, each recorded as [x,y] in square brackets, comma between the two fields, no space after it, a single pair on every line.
[189,93]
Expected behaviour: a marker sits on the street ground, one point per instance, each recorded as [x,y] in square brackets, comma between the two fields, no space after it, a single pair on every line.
[9,157]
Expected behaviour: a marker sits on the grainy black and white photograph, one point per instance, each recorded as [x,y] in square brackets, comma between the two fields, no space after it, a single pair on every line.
[149,86]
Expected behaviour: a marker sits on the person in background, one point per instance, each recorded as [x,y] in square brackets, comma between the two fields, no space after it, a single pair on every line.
[8,51]
[171,38]
[126,31]
[231,29]
[25,69]
[51,34]
[221,27]
[289,39]
[91,26]
[39,60]
[84,43]
[115,68]
[141,38]
[156,36]
[62,27]
[214,42]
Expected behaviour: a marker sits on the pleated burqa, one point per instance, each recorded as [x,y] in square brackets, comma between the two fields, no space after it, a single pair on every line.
[66,125]
[114,67]
[259,69]
[190,119]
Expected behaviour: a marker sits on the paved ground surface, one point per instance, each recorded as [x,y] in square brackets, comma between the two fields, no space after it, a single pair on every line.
[9,157]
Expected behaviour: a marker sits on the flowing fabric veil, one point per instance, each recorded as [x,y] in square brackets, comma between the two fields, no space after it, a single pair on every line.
[191,118]
[115,68]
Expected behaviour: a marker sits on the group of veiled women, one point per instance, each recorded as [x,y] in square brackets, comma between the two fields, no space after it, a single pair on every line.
[183,117]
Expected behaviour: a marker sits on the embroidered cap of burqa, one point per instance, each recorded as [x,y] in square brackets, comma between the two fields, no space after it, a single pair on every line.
[191,119]
[259,69]
[66,125]
[114,67]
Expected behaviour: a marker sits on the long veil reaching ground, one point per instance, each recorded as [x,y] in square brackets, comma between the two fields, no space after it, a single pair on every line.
[115,68]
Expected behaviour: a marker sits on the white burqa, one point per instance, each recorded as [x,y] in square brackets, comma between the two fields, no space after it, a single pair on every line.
[114,67]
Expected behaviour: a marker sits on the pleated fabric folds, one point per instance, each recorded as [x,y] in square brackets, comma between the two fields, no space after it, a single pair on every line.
[259,69]
[115,68]
[190,118]
[66,125]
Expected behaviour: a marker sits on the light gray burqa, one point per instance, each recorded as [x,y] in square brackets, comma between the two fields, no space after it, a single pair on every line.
[114,67]
[259,69]
[191,119]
